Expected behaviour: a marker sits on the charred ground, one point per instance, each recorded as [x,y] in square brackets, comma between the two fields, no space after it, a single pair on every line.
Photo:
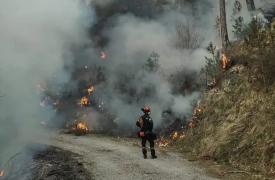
[55,163]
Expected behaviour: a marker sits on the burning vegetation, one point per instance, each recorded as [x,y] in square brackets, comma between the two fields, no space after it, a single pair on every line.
[225,61]
[236,122]
[128,78]
[175,136]
[84,101]
[162,142]
[179,135]
[90,90]
[124,82]
[80,127]
[230,106]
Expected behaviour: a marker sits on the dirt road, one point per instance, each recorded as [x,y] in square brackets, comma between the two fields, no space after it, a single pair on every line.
[121,159]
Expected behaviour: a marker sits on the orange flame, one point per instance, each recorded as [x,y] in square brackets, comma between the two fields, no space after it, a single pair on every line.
[2,173]
[177,135]
[82,126]
[162,142]
[103,55]
[91,90]
[197,110]
[225,61]
[84,101]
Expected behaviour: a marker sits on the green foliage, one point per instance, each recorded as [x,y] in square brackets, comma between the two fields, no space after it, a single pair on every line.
[238,27]
[238,20]
[256,34]
[260,39]
[212,67]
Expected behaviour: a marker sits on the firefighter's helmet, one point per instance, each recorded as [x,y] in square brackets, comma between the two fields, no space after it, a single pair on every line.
[146,109]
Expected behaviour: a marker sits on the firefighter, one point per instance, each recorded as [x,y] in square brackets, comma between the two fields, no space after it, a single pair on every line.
[145,123]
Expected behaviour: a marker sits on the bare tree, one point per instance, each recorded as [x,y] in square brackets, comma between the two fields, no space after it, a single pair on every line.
[250,6]
[187,36]
[224,32]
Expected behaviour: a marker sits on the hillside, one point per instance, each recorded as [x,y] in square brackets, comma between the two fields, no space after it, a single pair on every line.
[235,124]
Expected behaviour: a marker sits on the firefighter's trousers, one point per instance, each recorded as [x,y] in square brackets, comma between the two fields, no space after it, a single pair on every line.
[144,150]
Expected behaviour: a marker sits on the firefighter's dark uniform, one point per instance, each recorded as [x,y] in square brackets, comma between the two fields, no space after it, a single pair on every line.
[146,125]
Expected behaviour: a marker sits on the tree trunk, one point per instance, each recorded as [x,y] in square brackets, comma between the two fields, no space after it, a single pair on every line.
[250,6]
[224,33]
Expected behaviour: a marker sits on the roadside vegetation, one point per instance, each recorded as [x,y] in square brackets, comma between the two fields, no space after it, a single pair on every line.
[235,125]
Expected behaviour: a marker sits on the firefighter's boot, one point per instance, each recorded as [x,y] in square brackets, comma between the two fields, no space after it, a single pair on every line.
[153,153]
[144,151]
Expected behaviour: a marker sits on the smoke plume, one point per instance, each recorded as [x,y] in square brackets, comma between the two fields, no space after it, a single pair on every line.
[36,41]
[143,58]
[44,43]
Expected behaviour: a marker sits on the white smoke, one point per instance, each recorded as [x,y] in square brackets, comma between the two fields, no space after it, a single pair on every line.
[128,85]
[264,4]
[36,37]
[132,41]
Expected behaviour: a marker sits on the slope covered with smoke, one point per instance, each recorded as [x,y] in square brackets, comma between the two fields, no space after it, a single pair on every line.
[44,44]
[36,41]
[145,55]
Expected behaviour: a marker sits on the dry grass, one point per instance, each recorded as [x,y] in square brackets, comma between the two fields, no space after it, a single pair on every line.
[237,125]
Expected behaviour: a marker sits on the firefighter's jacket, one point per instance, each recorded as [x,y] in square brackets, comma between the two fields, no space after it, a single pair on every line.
[146,125]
